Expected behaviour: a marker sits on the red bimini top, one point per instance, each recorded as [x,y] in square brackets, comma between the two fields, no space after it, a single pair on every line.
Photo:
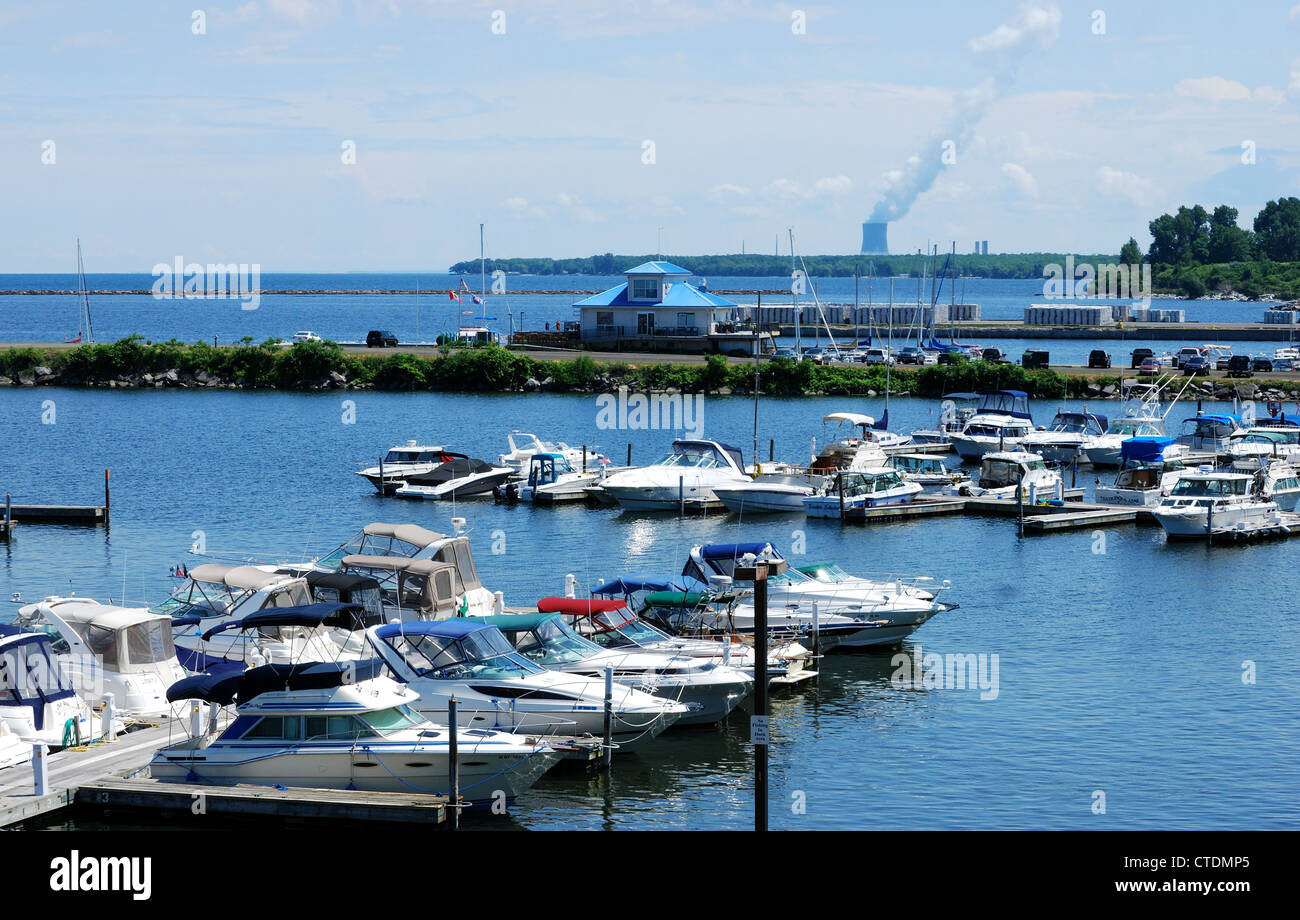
[578,606]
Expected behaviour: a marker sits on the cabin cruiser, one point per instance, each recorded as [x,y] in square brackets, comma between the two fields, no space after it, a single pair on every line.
[870,430]
[1203,502]
[686,476]
[860,449]
[340,725]
[770,493]
[1104,449]
[497,688]
[1003,472]
[456,478]
[38,702]
[955,411]
[1149,467]
[125,651]
[927,471]
[410,541]
[709,689]
[551,480]
[1063,440]
[1000,421]
[859,490]
[519,457]
[1275,480]
[1210,432]
[401,461]
[1271,442]
[411,589]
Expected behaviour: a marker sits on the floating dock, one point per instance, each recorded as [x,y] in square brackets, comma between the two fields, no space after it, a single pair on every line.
[59,514]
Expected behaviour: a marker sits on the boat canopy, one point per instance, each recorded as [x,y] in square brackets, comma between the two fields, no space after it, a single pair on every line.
[690,599]
[340,581]
[248,577]
[853,418]
[630,584]
[309,615]
[715,446]
[454,628]
[578,606]
[961,396]
[737,550]
[1014,403]
[30,673]
[426,584]
[225,688]
[407,533]
[1144,449]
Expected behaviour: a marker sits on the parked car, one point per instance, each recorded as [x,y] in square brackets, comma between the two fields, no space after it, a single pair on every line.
[994,355]
[1283,364]
[1033,358]
[1098,358]
[1261,365]
[1139,355]
[1196,365]
[306,337]
[1149,367]
[1240,366]
[1186,354]
[877,356]
[380,338]
[912,354]
[1222,361]
[785,353]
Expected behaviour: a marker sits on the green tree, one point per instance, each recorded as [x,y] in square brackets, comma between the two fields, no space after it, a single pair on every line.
[1229,242]
[1277,229]
[1130,253]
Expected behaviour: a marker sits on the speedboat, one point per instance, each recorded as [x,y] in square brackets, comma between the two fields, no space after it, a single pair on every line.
[339,725]
[856,491]
[1063,440]
[710,690]
[552,480]
[1203,502]
[404,460]
[771,493]
[1149,468]
[1211,432]
[125,651]
[955,411]
[457,477]
[1271,442]
[38,701]
[870,430]
[497,688]
[522,451]
[1003,472]
[1104,449]
[1275,480]
[861,448]
[1000,421]
[411,589]
[927,471]
[685,477]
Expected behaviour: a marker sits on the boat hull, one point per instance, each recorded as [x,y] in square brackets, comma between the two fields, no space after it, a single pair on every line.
[1186,523]
[743,500]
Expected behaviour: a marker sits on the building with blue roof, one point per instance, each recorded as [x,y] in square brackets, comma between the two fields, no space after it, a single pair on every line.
[658,308]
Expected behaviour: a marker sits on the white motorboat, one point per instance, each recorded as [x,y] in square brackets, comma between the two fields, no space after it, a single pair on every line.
[1062,442]
[1270,442]
[1104,449]
[497,688]
[955,411]
[1003,472]
[1275,480]
[928,471]
[125,651]
[404,460]
[1210,432]
[861,448]
[412,589]
[1203,502]
[1000,421]
[527,446]
[552,480]
[38,701]
[860,490]
[710,690]
[339,725]
[770,493]
[1149,468]
[457,477]
[13,750]
[685,477]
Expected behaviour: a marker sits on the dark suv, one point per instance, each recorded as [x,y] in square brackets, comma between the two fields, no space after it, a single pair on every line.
[1140,355]
[1197,365]
[1033,358]
[993,355]
[380,338]
[1240,366]
[1098,358]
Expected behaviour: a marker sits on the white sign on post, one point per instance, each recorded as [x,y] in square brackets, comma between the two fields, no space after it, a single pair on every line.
[758,729]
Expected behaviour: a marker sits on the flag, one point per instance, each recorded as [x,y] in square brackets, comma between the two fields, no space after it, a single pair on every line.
[463,285]
[452,295]
[466,312]
[475,298]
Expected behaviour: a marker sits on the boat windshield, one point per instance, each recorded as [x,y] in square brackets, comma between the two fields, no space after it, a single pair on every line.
[1278,436]
[694,457]
[829,573]
[38,622]
[407,455]
[28,672]
[552,642]
[393,719]
[149,642]
[1128,427]
[618,629]
[1208,488]
[485,654]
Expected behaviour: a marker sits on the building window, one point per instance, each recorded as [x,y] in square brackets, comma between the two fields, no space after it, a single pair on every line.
[645,289]
[604,317]
[685,320]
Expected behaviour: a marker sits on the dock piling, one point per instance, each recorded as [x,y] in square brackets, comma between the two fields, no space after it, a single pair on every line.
[453,765]
[771,449]
[584,458]
[40,769]
[609,717]
[629,454]
[1020,498]
[108,502]
[106,726]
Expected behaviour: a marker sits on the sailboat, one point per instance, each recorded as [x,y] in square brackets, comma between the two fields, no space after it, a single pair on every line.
[85,331]
[479,334]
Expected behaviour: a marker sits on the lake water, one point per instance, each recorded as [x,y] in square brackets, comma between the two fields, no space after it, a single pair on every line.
[51,318]
[1120,671]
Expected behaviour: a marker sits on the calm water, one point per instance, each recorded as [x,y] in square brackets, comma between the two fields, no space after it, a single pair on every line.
[1118,671]
[348,317]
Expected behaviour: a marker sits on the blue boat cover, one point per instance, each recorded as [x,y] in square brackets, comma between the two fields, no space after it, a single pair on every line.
[732,550]
[454,628]
[630,584]
[1144,449]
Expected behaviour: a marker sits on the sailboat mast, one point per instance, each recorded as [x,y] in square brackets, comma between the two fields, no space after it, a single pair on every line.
[482,279]
[794,291]
[889,352]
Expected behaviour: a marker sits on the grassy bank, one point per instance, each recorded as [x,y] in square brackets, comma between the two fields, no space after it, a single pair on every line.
[134,362]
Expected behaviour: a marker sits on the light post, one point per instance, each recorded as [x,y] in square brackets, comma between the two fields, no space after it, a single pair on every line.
[757,571]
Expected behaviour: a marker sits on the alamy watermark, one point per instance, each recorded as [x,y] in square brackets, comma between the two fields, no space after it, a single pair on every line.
[651,412]
[1106,282]
[917,670]
[232,280]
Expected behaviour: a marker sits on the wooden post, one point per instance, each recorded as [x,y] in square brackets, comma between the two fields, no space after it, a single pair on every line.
[681,495]
[609,716]
[9,512]
[629,454]
[584,458]
[839,485]
[453,796]
[107,499]
[1020,497]
[771,449]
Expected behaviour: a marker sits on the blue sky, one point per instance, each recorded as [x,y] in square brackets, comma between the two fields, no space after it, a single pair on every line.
[227,145]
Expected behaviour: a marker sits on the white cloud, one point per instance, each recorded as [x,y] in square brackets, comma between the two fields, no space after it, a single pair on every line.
[1040,23]
[1021,179]
[1295,77]
[303,11]
[833,185]
[515,204]
[1270,95]
[1116,183]
[790,189]
[1294,15]
[1213,89]
[728,192]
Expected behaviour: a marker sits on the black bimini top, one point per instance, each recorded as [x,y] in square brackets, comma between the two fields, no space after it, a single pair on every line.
[225,688]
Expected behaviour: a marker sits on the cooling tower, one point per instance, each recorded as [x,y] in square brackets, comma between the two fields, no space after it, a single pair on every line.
[875,237]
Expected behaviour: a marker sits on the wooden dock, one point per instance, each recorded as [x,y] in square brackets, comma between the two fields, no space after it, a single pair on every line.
[60,514]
